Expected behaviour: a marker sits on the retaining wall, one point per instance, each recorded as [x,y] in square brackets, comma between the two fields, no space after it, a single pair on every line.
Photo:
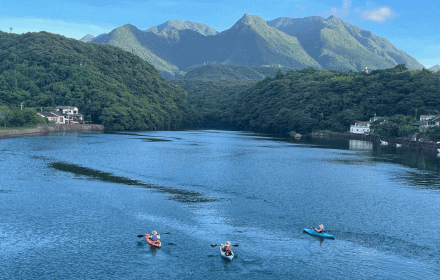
[49,128]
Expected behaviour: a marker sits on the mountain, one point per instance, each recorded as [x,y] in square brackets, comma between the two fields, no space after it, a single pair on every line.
[175,24]
[435,68]
[336,44]
[108,85]
[176,47]
[87,38]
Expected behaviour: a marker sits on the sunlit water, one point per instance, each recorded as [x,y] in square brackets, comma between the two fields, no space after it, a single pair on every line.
[73,204]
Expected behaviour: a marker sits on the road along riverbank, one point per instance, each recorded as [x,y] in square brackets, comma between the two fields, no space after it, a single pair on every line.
[49,128]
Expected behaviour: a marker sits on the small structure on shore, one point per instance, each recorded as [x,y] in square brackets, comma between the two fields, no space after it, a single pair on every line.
[63,115]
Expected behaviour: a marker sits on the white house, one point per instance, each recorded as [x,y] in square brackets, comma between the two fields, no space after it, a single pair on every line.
[56,117]
[360,128]
[67,110]
[427,117]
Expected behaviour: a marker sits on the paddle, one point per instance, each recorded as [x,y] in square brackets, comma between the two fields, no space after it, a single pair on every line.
[142,235]
[235,245]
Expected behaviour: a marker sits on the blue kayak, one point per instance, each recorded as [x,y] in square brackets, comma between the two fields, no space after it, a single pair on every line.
[314,232]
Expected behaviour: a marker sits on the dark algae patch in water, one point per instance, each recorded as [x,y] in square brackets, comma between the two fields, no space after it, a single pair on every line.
[180,195]
[155,140]
[5,191]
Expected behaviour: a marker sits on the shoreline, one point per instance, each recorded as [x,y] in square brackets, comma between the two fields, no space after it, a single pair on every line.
[392,141]
[50,128]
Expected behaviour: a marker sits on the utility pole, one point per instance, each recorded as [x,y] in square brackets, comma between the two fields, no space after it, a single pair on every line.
[10,30]
[21,106]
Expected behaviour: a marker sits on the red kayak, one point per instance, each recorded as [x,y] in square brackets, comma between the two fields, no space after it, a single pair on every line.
[151,242]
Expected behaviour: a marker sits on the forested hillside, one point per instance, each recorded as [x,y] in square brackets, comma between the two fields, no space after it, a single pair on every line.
[309,99]
[108,85]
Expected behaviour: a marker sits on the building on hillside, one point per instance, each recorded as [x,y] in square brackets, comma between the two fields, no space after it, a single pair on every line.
[53,116]
[434,122]
[64,115]
[427,117]
[360,128]
[65,110]
[381,119]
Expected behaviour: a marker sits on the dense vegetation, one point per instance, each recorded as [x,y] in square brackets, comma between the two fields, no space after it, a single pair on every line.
[212,98]
[108,85]
[309,99]
[15,117]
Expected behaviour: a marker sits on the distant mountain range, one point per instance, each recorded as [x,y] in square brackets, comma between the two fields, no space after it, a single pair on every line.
[322,43]
[435,68]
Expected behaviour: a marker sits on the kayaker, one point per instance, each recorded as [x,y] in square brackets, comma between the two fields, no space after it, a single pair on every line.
[154,236]
[320,229]
[227,248]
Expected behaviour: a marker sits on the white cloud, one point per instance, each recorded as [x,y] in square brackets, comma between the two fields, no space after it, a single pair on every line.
[75,30]
[339,12]
[377,15]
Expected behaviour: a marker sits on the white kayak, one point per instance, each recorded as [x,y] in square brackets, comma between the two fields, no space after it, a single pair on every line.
[230,257]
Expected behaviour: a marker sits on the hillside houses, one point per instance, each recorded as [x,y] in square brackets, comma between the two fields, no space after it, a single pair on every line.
[63,115]
[363,127]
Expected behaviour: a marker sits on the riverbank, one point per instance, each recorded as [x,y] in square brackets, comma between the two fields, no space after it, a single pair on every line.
[391,141]
[49,128]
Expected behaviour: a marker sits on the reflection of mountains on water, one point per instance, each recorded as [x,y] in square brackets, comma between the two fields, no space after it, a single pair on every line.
[360,145]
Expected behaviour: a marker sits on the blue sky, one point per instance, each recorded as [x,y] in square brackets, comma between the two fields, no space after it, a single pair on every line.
[412,26]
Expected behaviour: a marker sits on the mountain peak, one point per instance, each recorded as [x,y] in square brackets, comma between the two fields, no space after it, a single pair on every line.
[175,24]
[248,19]
[87,38]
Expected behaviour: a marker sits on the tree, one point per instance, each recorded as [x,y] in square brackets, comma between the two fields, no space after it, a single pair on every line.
[5,114]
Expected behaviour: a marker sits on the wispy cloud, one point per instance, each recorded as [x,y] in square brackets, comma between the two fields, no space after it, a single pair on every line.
[343,11]
[75,30]
[377,15]
[380,14]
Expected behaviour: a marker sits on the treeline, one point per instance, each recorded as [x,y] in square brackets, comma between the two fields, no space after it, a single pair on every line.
[213,97]
[309,99]
[108,85]
[15,117]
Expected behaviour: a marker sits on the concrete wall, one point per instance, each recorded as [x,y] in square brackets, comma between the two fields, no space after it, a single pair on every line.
[48,128]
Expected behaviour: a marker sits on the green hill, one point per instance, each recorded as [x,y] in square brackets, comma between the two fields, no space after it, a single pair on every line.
[108,85]
[309,99]
[224,71]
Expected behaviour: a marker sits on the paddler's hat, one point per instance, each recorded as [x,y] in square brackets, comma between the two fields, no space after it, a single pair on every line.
[228,243]
[154,232]
[321,225]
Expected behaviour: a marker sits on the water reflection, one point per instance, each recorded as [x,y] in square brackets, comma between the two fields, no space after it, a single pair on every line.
[179,195]
[360,145]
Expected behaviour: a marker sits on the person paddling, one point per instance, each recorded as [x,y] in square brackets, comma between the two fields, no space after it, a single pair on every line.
[154,236]
[320,229]
[227,248]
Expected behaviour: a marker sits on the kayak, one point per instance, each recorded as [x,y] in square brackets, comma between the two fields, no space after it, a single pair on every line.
[230,257]
[314,232]
[151,242]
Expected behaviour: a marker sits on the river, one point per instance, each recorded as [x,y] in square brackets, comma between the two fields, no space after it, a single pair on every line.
[72,205]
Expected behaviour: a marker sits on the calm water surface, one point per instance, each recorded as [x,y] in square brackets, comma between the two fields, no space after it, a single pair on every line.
[73,204]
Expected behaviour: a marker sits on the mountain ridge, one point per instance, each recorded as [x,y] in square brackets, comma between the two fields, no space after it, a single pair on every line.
[317,42]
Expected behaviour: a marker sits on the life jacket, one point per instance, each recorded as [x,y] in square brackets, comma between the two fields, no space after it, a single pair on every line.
[153,237]
[227,251]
